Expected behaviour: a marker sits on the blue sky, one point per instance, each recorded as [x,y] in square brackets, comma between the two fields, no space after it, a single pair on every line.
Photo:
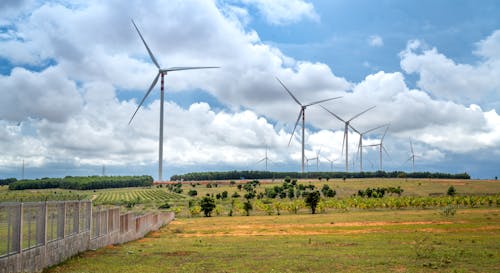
[73,72]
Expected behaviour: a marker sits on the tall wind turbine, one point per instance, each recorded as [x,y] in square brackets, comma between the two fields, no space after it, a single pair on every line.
[265,158]
[360,144]
[346,133]
[161,72]
[381,147]
[302,114]
[412,157]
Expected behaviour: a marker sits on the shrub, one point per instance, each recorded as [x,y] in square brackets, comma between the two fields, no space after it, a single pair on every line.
[312,200]
[451,191]
[192,193]
[207,204]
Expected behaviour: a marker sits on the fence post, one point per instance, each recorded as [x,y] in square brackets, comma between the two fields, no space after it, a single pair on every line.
[19,238]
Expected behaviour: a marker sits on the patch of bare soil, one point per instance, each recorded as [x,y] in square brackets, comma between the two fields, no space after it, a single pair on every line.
[323,229]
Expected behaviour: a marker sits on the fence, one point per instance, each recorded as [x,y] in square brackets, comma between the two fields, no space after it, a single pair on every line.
[36,235]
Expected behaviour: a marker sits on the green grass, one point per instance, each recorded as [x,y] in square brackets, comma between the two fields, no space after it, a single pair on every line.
[360,241]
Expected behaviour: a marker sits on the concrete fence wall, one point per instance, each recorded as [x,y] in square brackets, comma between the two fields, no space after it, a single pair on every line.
[40,234]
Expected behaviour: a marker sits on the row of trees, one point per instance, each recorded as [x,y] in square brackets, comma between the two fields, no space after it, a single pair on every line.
[7,181]
[83,182]
[235,175]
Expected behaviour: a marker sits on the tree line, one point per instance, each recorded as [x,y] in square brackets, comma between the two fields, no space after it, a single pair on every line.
[83,182]
[236,175]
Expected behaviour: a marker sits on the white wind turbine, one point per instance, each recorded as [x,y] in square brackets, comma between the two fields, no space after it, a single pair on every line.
[315,158]
[161,72]
[331,162]
[360,144]
[264,159]
[412,157]
[381,147]
[302,114]
[346,133]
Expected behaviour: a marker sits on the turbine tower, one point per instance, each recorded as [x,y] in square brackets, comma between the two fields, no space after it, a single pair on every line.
[360,144]
[302,114]
[346,133]
[381,147]
[161,72]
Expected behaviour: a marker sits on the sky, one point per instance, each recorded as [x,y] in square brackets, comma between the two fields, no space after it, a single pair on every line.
[73,72]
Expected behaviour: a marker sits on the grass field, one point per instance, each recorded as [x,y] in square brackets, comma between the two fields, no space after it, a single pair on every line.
[358,241]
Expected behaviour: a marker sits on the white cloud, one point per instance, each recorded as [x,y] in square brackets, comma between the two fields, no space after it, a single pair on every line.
[446,79]
[282,12]
[72,113]
[375,41]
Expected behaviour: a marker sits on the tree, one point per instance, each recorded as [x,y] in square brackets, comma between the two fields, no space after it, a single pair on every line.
[247,206]
[451,191]
[207,205]
[312,200]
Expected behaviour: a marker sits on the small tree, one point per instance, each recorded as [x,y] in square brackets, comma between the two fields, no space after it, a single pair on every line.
[451,191]
[192,192]
[312,200]
[247,206]
[207,204]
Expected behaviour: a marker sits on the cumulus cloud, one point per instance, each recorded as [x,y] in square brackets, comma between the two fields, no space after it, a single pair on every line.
[445,79]
[282,12]
[76,111]
[375,41]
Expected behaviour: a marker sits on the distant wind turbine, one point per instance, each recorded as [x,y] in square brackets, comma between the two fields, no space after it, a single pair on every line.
[302,114]
[346,133]
[315,158]
[331,163]
[381,147]
[360,144]
[265,158]
[161,72]
[412,157]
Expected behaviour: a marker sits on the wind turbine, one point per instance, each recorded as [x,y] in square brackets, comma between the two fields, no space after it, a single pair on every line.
[331,163]
[302,114]
[346,133]
[161,72]
[360,144]
[381,147]
[265,158]
[412,157]
[315,158]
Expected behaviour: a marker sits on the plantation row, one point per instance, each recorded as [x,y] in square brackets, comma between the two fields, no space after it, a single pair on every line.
[236,175]
[293,206]
[153,195]
[83,183]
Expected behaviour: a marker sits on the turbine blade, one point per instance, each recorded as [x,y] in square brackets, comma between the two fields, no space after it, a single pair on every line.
[170,69]
[145,96]
[362,113]
[339,118]
[289,92]
[354,129]
[147,47]
[373,129]
[411,146]
[387,128]
[386,152]
[261,160]
[295,127]
[320,101]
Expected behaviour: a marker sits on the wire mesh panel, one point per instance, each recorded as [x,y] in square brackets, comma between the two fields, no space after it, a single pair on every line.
[85,208]
[55,221]
[33,225]
[71,218]
[96,222]
[10,219]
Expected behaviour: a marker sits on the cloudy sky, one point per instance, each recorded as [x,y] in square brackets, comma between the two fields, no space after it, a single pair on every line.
[73,72]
